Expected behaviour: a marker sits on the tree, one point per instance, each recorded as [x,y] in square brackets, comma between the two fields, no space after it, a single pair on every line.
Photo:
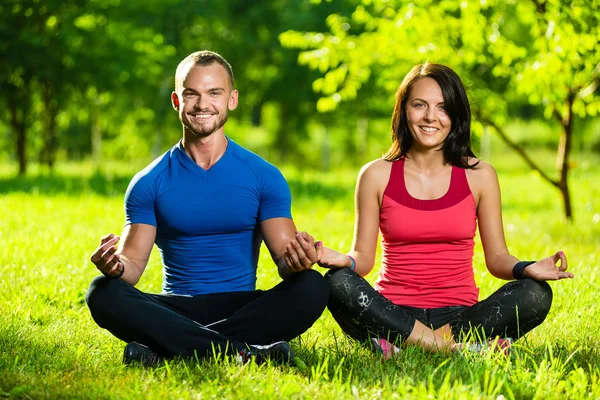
[103,70]
[542,53]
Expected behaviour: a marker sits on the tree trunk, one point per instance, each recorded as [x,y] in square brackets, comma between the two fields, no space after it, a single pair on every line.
[282,138]
[562,160]
[485,144]
[164,92]
[564,150]
[257,114]
[518,149]
[17,121]
[96,137]
[48,152]
[362,126]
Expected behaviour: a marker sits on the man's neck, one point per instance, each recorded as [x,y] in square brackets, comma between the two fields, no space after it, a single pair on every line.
[205,151]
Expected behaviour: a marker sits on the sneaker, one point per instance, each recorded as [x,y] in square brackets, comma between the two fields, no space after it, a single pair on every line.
[278,352]
[502,345]
[385,348]
[138,353]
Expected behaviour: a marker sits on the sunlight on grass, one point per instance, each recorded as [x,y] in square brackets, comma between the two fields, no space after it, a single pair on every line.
[51,348]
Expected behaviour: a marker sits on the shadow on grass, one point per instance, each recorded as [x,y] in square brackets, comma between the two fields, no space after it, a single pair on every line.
[65,184]
[115,185]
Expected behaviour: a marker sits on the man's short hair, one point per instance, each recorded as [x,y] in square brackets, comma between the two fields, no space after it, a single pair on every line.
[201,58]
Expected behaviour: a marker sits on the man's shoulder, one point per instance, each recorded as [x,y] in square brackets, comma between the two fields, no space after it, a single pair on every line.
[147,177]
[253,161]
[158,165]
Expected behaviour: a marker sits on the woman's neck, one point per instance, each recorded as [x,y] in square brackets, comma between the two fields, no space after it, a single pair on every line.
[426,161]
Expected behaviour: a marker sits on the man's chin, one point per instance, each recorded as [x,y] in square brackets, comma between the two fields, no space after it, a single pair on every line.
[205,131]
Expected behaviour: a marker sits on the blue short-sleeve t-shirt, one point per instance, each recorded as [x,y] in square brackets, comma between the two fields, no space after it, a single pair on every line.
[207,221]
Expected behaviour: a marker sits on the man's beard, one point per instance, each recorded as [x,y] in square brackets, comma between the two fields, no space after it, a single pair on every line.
[204,130]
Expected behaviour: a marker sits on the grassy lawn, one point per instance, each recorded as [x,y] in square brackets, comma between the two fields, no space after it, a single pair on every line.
[51,348]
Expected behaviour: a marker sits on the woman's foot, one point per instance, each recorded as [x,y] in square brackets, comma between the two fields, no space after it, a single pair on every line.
[385,348]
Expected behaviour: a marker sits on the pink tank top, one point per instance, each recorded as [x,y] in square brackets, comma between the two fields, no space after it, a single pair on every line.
[427,257]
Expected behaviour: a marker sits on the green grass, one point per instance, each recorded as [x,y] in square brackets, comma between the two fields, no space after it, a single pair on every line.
[51,348]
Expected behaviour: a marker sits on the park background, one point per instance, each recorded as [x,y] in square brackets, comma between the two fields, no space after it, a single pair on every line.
[84,104]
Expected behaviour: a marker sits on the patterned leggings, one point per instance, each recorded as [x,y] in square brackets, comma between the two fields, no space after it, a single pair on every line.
[362,312]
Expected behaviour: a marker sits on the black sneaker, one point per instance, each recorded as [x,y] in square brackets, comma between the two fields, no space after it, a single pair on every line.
[138,353]
[278,352]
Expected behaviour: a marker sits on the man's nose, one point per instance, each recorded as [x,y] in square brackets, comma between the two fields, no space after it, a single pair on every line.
[201,102]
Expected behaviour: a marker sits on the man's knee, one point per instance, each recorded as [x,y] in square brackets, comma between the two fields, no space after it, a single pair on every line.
[102,295]
[313,288]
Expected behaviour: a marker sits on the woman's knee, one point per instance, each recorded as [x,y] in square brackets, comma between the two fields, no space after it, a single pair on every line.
[538,296]
[345,284]
[342,282]
[338,275]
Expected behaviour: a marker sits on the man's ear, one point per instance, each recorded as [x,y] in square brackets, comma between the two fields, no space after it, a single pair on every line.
[175,101]
[233,100]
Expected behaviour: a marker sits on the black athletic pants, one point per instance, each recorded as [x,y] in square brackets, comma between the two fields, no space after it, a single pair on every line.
[186,326]
[362,312]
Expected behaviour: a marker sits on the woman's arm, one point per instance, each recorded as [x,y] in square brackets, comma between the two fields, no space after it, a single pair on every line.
[485,188]
[370,186]
[371,183]
[500,263]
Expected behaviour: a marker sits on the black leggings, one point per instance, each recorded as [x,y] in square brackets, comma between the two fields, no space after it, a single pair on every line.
[187,326]
[362,312]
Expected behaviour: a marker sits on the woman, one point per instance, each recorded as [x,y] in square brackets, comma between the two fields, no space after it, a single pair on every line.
[427,195]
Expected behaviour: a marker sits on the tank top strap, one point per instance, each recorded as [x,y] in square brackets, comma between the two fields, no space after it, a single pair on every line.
[396,189]
[459,185]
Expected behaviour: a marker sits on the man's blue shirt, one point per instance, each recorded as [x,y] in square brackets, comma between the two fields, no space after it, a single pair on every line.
[208,221]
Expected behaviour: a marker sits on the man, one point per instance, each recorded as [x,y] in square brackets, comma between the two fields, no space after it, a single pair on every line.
[207,203]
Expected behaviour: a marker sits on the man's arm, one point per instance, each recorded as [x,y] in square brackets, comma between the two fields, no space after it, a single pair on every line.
[130,260]
[279,235]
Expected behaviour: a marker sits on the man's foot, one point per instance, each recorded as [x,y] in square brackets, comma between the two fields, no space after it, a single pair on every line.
[138,353]
[385,348]
[278,352]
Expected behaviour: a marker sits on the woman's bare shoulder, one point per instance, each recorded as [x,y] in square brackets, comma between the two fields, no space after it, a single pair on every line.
[376,169]
[482,175]
[480,167]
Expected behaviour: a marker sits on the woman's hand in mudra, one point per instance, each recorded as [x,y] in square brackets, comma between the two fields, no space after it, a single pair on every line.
[549,268]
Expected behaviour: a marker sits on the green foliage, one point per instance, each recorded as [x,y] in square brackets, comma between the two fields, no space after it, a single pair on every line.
[107,68]
[74,69]
[51,348]
[534,56]
[523,51]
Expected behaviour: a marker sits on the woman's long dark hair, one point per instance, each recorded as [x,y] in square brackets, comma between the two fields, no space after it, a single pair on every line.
[457,146]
